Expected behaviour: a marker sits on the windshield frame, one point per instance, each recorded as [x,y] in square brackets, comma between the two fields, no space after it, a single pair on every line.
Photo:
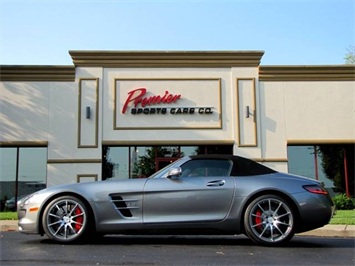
[162,173]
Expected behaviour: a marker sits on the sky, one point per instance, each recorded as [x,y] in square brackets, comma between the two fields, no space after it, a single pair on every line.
[290,32]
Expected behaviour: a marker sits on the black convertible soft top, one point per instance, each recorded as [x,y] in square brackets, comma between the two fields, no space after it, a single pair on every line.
[241,166]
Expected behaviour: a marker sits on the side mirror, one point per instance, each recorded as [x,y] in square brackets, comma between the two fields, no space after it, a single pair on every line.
[174,172]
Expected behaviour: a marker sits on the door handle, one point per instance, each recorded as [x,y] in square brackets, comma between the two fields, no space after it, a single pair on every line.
[216,183]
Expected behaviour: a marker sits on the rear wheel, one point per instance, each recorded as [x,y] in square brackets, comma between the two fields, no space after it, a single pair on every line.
[269,220]
[65,219]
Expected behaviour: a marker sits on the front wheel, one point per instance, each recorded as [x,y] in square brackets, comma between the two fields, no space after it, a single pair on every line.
[65,219]
[269,220]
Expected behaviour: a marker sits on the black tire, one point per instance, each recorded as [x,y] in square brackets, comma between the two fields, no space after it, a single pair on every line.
[66,219]
[269,220]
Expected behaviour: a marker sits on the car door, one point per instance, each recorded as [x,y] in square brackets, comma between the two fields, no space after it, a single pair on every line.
[202,193]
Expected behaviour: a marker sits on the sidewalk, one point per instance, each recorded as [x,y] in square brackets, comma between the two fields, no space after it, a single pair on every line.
[326,231]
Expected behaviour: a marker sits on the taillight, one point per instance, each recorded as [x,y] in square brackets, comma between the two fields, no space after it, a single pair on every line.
[315,189]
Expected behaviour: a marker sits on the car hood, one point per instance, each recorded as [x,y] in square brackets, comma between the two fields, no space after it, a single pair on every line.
[94,190]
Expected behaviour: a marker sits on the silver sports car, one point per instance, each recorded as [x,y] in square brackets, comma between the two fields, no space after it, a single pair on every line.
[203,194]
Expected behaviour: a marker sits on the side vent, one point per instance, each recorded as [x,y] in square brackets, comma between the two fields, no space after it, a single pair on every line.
[124,207]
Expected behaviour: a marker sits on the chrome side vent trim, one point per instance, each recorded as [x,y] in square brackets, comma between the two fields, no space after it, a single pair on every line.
[124,207]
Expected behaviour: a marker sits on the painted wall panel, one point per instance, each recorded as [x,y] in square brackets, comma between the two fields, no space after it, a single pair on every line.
[68,173]
[320,111]
[272,120]
[246,98]
[63,126]
[88,113]
[24,111]
[189,131]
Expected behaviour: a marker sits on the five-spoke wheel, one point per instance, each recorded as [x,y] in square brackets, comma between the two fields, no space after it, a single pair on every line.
[65,219]
[269,220]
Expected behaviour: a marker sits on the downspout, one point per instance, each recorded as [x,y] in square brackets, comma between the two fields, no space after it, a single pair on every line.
[316,162]
[346,174]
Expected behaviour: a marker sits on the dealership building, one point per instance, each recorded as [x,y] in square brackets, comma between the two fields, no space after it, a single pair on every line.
[125,114]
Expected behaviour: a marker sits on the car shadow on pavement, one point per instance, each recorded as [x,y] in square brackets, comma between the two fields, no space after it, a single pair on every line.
[240,240]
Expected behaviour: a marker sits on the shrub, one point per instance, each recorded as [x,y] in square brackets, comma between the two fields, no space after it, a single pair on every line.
[342,202]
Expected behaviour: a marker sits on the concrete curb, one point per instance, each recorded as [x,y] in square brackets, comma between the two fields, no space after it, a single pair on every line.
[331,230]
[325,231]
[8,225]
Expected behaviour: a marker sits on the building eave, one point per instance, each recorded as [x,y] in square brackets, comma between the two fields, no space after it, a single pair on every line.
[36,73]
[307,73]
[166,59]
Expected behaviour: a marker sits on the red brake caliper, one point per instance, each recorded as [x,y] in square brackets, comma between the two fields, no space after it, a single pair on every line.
[258,219]
[78,219]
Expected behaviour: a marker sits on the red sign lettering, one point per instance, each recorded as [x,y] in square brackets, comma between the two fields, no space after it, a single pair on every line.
[137,97]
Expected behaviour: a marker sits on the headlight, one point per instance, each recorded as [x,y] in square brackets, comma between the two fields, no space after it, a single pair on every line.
[31,199]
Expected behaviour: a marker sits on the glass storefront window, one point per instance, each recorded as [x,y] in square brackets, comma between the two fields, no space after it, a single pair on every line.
[143,161]
[23,170]
[302,161]
[32,170]
[189,150]
[117,163]
[7,175]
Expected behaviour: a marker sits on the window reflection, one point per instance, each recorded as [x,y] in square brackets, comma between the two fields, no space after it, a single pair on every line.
[302,161]
[7,165]
[23,170]
[143,161]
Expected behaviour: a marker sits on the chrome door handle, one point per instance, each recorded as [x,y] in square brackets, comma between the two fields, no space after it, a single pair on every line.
[216,183]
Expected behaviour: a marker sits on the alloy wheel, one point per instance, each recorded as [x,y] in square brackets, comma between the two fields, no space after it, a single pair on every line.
[65,219]
[269,220]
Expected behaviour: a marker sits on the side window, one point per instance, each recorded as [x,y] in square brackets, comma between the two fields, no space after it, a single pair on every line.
[206,167]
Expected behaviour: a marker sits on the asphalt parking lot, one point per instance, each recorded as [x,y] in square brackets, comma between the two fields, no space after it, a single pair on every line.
[325,231]
[33,250]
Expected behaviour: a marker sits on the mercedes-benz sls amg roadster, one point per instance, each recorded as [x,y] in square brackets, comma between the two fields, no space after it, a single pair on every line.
[199,195]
